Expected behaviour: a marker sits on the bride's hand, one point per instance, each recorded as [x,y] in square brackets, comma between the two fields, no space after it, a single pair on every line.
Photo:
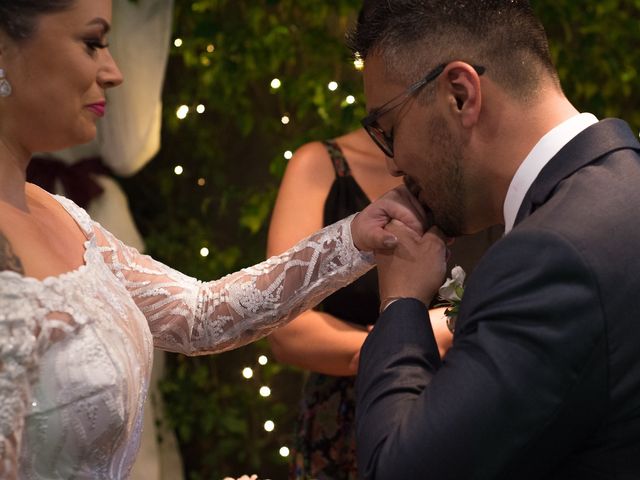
[367,228]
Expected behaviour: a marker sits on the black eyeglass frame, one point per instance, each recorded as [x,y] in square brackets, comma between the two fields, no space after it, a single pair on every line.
[370,122]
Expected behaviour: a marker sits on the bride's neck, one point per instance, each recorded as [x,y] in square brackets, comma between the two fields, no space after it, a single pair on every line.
[13,176]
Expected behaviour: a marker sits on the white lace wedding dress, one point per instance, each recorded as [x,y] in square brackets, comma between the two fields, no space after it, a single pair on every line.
[76,350]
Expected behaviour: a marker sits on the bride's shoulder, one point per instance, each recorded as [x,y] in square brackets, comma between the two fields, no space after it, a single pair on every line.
[40,197]
[57,206]
[35,192]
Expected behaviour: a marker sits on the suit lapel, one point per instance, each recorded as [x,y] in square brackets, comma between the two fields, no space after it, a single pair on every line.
[591,144]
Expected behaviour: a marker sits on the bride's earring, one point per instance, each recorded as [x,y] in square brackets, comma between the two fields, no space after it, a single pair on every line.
[5,86]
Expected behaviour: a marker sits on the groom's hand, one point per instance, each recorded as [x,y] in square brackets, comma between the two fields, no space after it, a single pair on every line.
[367,228]
[416,267]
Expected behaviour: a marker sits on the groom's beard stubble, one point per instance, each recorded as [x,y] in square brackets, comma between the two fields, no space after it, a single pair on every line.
[444,188]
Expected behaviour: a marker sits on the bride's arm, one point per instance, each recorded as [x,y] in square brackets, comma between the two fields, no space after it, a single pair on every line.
[193,317]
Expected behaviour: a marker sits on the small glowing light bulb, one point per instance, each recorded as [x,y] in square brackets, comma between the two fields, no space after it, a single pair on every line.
[284,452]
[182,112]
[265,391]
[358,62]
[247,373]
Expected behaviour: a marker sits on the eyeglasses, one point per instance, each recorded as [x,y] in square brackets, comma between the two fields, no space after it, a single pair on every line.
[370,122]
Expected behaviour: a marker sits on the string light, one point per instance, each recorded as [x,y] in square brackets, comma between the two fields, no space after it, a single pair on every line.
[200,108]
[211,48]
[284,452]
[269,426]
[247,373]
[276,83]
[262,360]
[182,112]
[333,86]
[358,62]
[350,100]
[205,61]
[202,182]
[288,154]
[204,251]
[265,391]
[178,170]
[178,42]
[285,120]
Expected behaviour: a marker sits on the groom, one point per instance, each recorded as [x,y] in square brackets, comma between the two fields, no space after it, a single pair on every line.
[543,378]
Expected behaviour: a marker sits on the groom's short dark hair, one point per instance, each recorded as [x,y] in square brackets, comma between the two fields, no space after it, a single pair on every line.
[413,36]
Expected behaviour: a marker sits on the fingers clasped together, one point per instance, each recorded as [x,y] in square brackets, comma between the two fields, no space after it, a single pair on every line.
[410,252]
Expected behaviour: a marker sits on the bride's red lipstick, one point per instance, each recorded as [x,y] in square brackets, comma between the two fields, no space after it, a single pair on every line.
[99,108]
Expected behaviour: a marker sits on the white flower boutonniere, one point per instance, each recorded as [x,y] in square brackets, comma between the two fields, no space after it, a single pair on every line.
[451,292]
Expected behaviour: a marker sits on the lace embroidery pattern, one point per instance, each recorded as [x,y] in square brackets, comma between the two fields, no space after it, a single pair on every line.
[36,320]
[75,350]
[192,317]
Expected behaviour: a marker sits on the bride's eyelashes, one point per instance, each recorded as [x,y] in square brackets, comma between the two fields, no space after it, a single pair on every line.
[95,44]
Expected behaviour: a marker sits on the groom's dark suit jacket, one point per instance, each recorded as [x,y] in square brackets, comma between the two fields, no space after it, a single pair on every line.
[543,379]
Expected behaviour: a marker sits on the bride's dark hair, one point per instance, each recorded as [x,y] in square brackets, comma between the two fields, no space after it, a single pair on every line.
[18,17]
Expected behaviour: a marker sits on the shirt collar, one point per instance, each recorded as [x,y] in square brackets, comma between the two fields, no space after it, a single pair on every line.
[546,148]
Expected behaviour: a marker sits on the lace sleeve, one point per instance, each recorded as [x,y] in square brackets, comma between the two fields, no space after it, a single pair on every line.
[193,317]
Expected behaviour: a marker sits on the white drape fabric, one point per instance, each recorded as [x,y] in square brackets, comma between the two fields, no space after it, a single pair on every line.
[139,43]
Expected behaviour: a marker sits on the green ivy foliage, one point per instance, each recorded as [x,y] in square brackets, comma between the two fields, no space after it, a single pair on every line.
[593,44]
[230,52]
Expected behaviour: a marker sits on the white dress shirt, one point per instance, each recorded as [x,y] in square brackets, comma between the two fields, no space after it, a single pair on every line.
[548,146]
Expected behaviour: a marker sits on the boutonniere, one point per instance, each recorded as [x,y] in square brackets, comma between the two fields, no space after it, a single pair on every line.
[451,292]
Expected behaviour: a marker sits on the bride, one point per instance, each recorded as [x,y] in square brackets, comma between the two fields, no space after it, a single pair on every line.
[80,311]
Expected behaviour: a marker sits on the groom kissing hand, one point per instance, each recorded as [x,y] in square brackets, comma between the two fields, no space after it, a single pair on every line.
[543,378]
[368,227]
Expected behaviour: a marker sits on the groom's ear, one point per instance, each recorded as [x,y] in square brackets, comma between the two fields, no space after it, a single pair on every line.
[464,93]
